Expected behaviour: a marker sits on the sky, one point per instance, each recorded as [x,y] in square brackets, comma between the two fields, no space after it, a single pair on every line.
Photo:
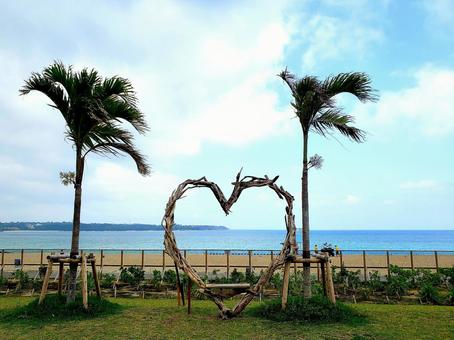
[205,75]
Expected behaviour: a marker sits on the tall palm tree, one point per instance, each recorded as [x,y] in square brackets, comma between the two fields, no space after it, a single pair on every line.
[94,110]
[315,106]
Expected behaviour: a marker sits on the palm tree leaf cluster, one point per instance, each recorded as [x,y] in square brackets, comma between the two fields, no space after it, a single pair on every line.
[95,109]
[315,106]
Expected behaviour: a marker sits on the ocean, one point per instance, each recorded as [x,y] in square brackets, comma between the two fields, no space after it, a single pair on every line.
[232,239]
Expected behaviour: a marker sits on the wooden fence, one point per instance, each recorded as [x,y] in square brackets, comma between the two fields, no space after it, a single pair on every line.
[225,261]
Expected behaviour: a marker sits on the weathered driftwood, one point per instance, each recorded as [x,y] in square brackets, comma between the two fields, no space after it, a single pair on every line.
[289,247]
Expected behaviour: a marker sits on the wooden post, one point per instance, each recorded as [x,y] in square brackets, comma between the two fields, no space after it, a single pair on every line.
[295,267]
[45,282]
[341,261]
[102,261]
[143,259]
[41,258]
[206,262]
[60,277]
[83,274]
[323,272]
[227,253]
[272,256]
[185,253]
[250,260]
[411,261]
[3,260]
[329,283]
[387,262]
[163,261]
[189,295]
[318,272]
[121,259]
[96,279]
[436,260]
[364,266]
[22,259]
[178,296]
[285,282]
[180,287]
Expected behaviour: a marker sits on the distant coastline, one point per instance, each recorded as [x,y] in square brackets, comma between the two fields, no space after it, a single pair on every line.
[67,226]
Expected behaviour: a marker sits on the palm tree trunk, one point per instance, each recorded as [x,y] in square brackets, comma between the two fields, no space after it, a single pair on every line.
[76,226]
[305,209]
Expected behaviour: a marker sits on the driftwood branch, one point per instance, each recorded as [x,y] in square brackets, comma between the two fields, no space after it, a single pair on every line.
[289,246]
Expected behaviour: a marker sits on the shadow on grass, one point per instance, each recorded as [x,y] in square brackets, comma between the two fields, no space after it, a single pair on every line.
[54,308]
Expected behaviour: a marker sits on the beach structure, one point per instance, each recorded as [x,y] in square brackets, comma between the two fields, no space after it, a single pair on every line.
[62,259]
[287,255]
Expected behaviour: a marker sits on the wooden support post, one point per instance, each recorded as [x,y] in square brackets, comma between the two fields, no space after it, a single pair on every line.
[364,266]
[318,272]
[341,260]
[206,262]
[45,282]
[387,262]
[436,260]
[41,258]
[102,261]
[96,279]
[329,283]
[285,282]
[163,261]
[121,259]
[411,261]
[250,260]
[3,260]
[188,288]
[143,259]
[295,267]
[227,253]
[272,256]
[180,286]
[83,274]
[185,253]
[60,277]
[323,272]
[22,259]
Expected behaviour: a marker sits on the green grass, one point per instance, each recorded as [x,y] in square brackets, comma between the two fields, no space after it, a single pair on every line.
[162,319]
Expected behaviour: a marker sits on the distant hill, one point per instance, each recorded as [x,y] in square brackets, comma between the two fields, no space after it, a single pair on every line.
[5,226]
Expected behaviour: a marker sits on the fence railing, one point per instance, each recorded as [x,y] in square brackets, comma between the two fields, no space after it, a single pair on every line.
[225,260]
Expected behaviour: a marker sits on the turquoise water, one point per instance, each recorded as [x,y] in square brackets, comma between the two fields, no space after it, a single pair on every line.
[232,239]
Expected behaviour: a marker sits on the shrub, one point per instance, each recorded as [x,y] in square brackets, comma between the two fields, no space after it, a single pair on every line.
[448,276]
[23,278]
[375,283]
[170,277]
[54,307]
[3,280]
[132,275]
[398,281]
[107,280]
[276,282]
[237,277]
[429,293]
[156,279]
[315,309]
[251,277]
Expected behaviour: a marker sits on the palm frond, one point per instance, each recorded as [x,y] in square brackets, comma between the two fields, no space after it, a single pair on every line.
[357,83]
[335,119]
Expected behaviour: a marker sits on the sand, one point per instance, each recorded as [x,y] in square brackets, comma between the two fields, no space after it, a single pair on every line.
[217,261]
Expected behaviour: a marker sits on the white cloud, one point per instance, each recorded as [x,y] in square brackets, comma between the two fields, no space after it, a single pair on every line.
[352,199]
[330,38]
[421,184]
[429,104]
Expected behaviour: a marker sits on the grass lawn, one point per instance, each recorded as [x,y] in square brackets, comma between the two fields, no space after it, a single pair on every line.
[162,319]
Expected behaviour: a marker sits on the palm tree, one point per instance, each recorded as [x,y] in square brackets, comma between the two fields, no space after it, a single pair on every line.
[94,110]
[315,106]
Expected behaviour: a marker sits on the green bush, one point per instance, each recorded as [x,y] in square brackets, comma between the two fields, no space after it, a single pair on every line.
[315,309]
[156,279]
[170,277]
[3,280]
[398,281]
[237,277]
[251,277]
[54,307]
[448,276]
[429,293]
[276,282]
[23,278]
[132,275]
[107,280]
[375,283]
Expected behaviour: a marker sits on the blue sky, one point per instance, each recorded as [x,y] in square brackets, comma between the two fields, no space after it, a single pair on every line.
[205,75]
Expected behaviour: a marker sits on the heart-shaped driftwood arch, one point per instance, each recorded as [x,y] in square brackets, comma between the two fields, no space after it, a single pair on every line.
[289,248]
